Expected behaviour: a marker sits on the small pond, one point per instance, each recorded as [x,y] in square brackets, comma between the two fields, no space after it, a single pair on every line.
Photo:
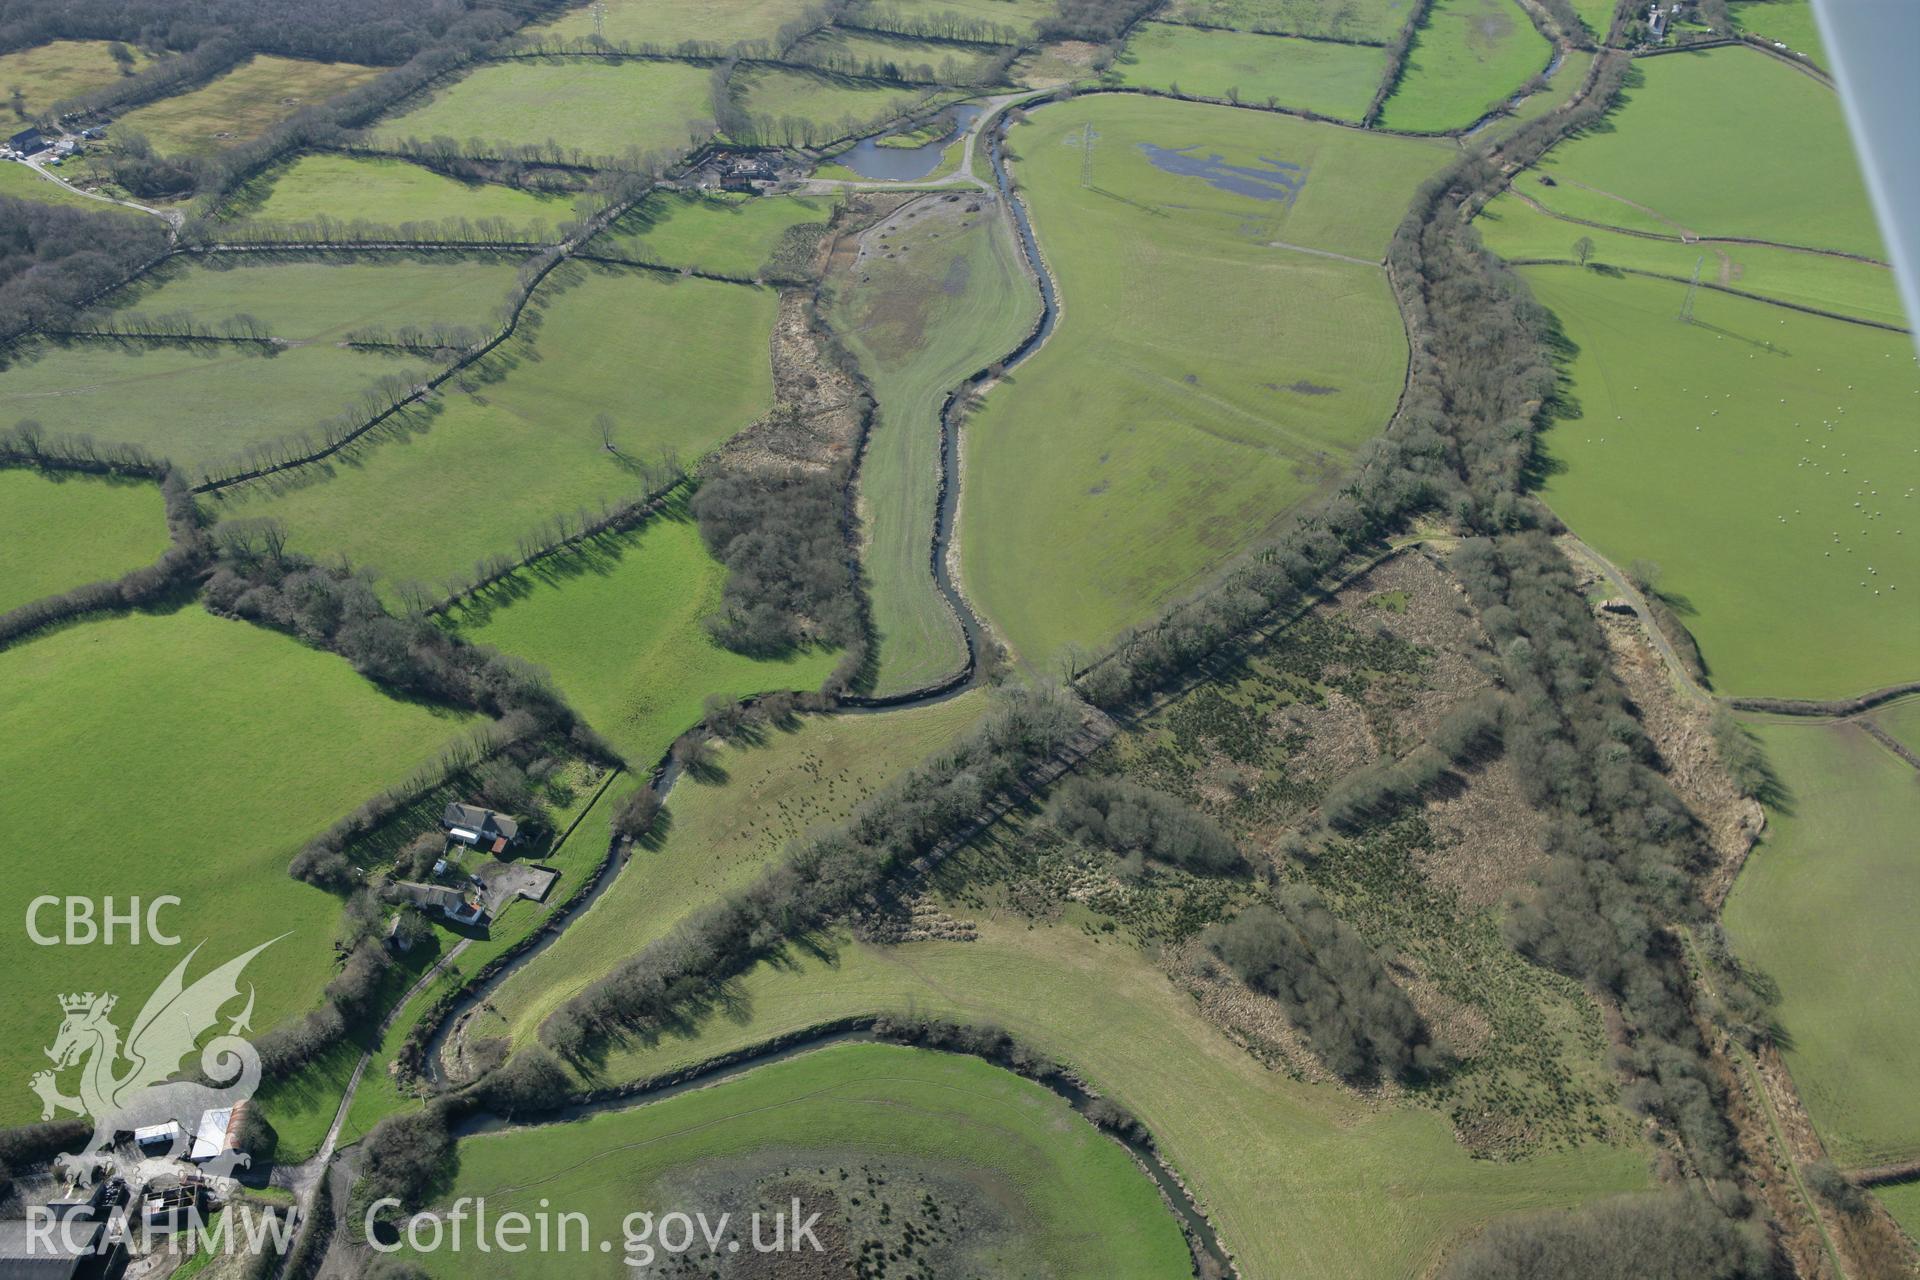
[907,164]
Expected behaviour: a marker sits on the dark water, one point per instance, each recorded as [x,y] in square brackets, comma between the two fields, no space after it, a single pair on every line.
[1278,180]
[906,164]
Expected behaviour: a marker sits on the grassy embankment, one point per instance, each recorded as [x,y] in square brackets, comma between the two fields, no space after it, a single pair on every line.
[1184,405]
[934,300]
[185,754]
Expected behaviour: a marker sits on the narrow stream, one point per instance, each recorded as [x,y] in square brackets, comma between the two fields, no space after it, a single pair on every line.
[1201,1237]
[433,1067]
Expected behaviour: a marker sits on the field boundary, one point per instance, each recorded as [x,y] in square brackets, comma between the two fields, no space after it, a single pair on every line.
[1813,250]
[1251,31]
[1718,288]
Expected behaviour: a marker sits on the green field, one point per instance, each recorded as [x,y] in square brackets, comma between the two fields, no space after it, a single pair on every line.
[322,299]
[727,235]
[1256,1147]
[1305,75]
[1788,21]
[1036,1186]
[669,22]
[721,832]
[675,363]
[1597,15]
[1903,1202]
[1184,404]
[190,755]
[1763,459]
[587,108]
[1718,176]
[1374,21]
[193,404]
[941,302]
[1514,230]
[239,105]
[62,529]
[619,626]
[46,73]
[1467,58]
[1014,17]
[389,192]
[926,60]
[1825,907]
[834,105]
[21,183]
[1902,720]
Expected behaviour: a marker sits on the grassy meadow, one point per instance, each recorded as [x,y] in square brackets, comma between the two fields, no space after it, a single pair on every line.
[1825,907]
[618,623]
[1184,404]
[1016,16]
[935,300]
[195,404]
[184,754]
[721,831]
[669,22]
[1788,21]
[1717,176]
[836,105]
[63,529]
[1255,1146]
[598,110]
[1308,75]
[1515,230]
[926,60]
[239,105]
[727,235]
[1064,1196]
[1763,459]
[1903,1202]
[1902,720]
[1467,58]
[679,364]
[46,73]
[388,191]
[323,298]
[18,182]
[1372,21]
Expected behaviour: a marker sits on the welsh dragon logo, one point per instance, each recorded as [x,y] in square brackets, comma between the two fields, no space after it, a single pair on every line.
[124,1085]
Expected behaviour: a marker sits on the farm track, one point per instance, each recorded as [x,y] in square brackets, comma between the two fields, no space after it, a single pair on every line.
[1721,288]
